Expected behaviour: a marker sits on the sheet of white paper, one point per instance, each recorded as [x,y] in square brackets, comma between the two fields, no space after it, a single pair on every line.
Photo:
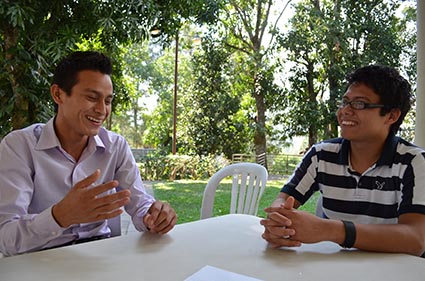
[211,273]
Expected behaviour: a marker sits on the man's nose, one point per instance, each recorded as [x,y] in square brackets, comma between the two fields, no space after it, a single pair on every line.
[100,107]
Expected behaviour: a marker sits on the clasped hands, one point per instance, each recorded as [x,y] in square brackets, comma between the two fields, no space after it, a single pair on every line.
[286,226]
[85,203]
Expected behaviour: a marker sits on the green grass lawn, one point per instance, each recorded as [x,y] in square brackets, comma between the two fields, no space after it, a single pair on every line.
[185,196]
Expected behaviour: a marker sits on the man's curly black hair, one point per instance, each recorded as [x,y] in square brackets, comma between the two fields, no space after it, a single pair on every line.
[393,90]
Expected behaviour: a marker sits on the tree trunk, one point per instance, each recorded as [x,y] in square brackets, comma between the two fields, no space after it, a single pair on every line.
[20,111]
[332,130]
[136,129]
[334,49]
[260,124]
[312,129]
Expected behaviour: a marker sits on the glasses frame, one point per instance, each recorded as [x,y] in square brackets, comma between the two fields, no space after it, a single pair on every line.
[361,105]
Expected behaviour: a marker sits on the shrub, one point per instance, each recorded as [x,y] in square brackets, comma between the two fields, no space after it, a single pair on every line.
[171,167]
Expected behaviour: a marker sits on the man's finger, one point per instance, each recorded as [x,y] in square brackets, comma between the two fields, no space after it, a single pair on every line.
[277,242]
[169,226]
[112,201]
[289,203]
[155,210]
[270,222]
[89,180]
[97,190]
[279,210]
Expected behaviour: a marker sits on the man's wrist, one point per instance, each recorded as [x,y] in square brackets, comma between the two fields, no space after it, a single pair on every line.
[55,215]
[277,202]
[350,234]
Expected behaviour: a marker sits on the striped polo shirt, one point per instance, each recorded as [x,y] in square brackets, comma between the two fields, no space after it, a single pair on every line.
[394,185]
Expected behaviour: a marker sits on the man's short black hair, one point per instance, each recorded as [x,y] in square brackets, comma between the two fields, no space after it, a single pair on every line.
[66,72]
[394,91]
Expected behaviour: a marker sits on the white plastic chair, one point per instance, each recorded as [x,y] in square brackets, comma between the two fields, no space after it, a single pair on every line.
[248,184]
[319,207]
[115,226]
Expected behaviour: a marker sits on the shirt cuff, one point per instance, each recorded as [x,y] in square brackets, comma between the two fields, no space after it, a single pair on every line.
[46,225]
[138,218]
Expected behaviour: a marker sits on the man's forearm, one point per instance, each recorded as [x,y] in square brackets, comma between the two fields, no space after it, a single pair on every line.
[29,233]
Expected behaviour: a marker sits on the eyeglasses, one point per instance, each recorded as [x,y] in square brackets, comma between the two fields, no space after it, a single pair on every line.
[358,105]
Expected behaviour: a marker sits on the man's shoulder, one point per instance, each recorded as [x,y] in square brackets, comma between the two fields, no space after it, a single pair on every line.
[32,132]
[406,147]
[110,138]
[333,141]
[333,145]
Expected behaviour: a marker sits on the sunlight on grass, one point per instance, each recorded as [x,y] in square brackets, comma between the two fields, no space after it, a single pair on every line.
[185,196]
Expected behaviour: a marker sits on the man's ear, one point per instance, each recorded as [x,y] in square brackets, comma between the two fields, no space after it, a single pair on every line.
[394,114]
[56,93]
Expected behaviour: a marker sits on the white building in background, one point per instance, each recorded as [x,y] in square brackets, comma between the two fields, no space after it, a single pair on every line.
[420,90]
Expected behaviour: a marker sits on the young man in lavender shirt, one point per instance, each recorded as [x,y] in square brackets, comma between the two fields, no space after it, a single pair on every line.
[63,182]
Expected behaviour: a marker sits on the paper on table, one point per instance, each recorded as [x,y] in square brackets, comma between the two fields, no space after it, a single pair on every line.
[211,273]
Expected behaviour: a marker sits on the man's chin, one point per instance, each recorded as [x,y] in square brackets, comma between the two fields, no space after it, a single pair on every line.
[93,132]
[346,136]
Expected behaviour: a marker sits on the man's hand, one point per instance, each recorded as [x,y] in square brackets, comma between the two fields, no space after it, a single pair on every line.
[277,226]
[83,204]
[290,227]
[160,218]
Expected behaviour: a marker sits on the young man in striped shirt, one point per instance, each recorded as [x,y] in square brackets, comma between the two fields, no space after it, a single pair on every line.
[371,181]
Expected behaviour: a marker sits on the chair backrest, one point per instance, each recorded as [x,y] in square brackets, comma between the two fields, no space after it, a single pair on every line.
[319,207]
[115,226]
[248,184]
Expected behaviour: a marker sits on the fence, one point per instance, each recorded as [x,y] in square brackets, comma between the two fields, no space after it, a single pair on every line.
[139,153]
[277,164]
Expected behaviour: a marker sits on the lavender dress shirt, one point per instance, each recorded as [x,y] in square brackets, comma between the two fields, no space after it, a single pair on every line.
[36,173]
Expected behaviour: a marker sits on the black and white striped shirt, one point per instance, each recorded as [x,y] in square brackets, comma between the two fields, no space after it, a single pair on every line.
[395,185]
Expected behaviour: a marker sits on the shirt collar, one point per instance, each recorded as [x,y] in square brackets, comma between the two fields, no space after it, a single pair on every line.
[97,141]
[390,148]
[48,138]
[387,155]
[344,152]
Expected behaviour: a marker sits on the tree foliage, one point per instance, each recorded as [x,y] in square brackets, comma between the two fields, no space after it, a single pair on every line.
[245,29]
[214,121]
[228,94]
[159,124]
[36,34]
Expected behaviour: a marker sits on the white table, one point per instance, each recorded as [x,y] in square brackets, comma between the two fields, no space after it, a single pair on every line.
[231,242]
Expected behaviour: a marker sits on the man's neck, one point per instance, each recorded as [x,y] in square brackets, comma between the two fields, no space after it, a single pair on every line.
[74,145]
[75,149]
[364,155]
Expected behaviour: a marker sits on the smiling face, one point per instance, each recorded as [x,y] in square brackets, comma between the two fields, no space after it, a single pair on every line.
[364,125]
[82,112]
